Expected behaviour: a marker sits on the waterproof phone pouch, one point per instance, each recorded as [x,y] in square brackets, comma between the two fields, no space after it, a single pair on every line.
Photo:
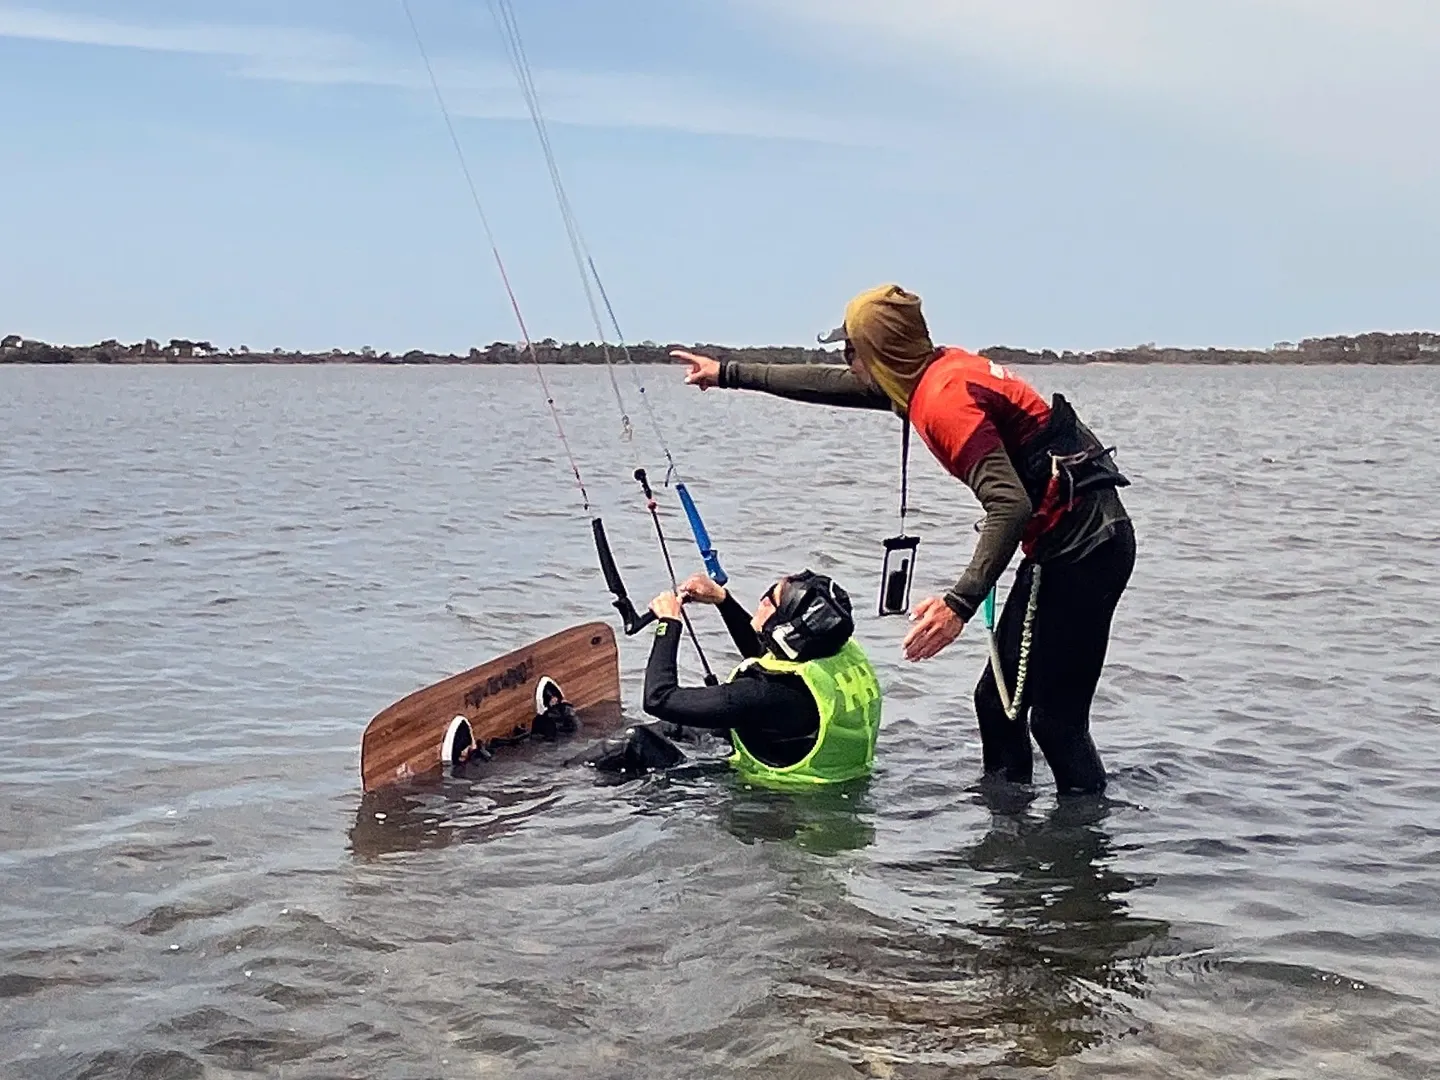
[896,574]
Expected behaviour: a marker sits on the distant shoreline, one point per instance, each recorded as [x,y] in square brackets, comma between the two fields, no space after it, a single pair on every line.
[1377,348]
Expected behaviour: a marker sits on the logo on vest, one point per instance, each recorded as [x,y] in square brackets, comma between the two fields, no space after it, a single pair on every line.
[858,690]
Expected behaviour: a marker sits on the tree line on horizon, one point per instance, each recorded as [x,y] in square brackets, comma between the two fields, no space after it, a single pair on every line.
[1372,348]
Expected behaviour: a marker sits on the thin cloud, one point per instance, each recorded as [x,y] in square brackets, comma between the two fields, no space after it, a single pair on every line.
[1354,81]
[583,99]
[588,99]
[29,24]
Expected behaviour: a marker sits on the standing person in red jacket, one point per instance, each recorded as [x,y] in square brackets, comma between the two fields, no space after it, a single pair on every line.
[1047,485]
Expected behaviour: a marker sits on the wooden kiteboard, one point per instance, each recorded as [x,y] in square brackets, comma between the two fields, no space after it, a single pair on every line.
[498,700]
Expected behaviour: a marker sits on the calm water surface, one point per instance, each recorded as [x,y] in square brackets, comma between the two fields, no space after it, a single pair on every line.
[211,578]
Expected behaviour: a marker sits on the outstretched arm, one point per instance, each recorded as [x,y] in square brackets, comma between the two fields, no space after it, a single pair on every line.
[815,384]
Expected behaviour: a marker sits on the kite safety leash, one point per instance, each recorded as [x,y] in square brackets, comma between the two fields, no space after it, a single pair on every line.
[1013,707]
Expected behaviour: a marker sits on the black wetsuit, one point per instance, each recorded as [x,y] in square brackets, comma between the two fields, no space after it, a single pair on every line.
[1069,636]
[775,714]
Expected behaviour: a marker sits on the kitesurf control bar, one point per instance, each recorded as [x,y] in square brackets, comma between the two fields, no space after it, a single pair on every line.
[702,537]
[710,677]
[633,623]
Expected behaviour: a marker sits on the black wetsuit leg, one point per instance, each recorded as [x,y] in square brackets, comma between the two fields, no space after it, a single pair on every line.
[1071,634]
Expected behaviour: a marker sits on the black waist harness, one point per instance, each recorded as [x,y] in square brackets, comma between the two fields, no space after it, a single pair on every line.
[1067,449]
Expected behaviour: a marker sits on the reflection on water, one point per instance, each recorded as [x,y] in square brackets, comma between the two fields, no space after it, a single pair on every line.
[479,799]
[824,821]
[1050,969]
[1061,949]
[397,819]
[457,807]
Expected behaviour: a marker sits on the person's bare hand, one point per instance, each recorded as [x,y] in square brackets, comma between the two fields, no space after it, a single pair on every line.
[666,606]
[700,588]
[936,626]
[703,372]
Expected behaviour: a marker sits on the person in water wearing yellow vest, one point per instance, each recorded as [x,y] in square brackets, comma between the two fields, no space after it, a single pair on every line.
[804,706]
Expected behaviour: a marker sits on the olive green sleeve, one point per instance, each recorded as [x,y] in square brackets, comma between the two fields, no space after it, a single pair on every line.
[1007,511]
[816,384]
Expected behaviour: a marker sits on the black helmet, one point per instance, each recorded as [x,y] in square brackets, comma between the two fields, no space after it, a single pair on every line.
[812,618]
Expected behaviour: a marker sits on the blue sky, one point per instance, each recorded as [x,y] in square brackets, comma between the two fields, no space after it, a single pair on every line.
[1044,172]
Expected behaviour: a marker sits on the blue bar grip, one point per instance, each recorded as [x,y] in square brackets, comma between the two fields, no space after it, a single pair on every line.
[702,538]
[990,610]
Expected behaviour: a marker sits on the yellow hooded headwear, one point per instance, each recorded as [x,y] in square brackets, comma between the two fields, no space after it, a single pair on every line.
[891,339]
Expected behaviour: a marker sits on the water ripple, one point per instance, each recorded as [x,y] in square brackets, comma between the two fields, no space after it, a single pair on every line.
[211,578]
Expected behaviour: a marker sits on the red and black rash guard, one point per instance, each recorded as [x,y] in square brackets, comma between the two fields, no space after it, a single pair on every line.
[966,406]
[970,413]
